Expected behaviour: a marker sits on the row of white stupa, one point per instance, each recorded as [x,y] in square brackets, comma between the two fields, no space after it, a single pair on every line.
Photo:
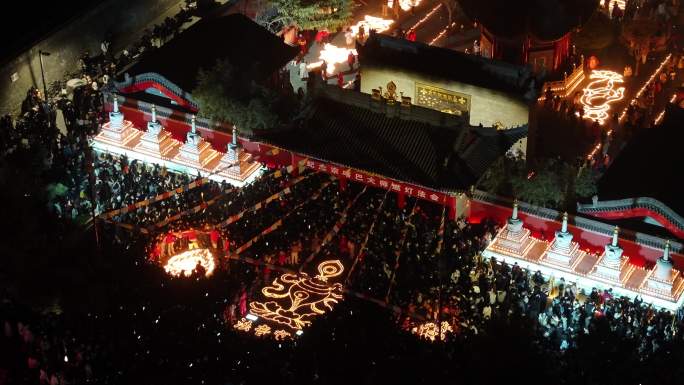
[157,146]
[662,285]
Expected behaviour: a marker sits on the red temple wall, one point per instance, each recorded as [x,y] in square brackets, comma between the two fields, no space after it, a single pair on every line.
[589,240]
[541,228]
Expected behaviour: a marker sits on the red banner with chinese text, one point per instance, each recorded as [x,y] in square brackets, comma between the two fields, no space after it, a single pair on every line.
[377,181]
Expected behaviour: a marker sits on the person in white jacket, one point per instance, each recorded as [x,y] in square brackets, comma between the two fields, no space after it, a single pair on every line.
[303,71]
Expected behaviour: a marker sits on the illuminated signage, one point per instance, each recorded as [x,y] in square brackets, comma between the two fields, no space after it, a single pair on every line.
[442,100]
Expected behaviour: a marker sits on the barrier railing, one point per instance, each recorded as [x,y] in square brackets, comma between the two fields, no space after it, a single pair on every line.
[159,79]
[566,86]
[634,203]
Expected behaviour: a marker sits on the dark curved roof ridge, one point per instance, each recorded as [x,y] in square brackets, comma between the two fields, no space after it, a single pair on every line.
[546,20]
[250,48]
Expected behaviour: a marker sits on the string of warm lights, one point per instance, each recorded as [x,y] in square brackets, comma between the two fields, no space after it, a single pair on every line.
[426,17]
[567,86]
[594,151]
[281,335]
[643,88]
[441,33]
[262,330]
[661,115]
[600,93]
[243,325]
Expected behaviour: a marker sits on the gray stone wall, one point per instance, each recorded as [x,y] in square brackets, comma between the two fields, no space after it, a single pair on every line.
[125,19]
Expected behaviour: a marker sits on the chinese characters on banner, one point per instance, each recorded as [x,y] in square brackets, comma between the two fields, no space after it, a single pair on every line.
[377,181]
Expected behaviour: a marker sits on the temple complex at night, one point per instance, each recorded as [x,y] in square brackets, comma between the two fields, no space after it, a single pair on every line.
[342,192]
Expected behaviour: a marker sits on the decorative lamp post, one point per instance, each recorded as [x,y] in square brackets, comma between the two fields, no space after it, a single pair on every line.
[42,71]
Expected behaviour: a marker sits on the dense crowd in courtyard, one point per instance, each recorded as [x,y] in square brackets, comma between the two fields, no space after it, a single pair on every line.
[401,258]
[395,255]
[406,265]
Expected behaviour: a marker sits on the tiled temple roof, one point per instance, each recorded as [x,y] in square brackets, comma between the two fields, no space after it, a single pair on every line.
[411,144]
[250,48]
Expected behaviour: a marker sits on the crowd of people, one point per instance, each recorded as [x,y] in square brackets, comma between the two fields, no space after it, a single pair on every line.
[661,10]
[68,159]
[398,263]
[393,252]
[139,324]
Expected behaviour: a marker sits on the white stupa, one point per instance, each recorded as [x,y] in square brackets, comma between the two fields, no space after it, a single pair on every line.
[563,252]
[196,152]
[118,131]
[156,141]
[664,279]
[612,266]
[236,163]
[513,239]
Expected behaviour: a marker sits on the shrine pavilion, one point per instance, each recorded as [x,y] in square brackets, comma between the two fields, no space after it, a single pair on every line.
[661,285]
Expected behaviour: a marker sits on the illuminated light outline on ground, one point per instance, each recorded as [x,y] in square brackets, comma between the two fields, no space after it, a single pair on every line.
[304,297]
[430,330]
[184,263]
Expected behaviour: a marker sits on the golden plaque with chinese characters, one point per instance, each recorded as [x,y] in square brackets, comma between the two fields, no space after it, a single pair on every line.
[441,99]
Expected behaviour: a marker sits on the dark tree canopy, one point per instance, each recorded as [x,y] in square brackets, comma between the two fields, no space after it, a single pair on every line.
[226,95]
[309,14]
[550,182]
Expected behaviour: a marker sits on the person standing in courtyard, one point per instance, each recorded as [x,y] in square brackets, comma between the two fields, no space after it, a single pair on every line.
[324,71]
[351,60]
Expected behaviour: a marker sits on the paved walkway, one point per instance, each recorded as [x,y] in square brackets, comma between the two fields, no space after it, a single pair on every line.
[126,19]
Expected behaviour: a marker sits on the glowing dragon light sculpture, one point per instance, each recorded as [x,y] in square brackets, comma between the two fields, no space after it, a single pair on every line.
[600,93]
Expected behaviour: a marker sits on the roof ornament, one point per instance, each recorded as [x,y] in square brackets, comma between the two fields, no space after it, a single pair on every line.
[515,210]
[666,252]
